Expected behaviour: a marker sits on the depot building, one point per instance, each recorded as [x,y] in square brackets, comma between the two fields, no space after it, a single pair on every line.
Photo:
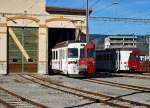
[29,30]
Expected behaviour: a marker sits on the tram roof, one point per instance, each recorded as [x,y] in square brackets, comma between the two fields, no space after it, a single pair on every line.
[65,43]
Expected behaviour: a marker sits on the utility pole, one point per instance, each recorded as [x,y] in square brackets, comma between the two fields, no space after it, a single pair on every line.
[87,20]
[149,46]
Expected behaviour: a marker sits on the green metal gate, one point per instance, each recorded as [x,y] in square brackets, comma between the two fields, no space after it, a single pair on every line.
[22,49]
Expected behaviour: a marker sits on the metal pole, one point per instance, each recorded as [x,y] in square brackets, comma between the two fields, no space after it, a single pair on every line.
[149,45]
[87,20]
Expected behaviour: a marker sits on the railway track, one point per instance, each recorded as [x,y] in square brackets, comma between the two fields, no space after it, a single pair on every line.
[93,96]
[3,104]
[11,100]
[140,76]
[126,86]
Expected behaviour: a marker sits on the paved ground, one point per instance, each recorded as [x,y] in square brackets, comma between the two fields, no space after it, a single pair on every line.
[49,97]
[57,99]
[111,90]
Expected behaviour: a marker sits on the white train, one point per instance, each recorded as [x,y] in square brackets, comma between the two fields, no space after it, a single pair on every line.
[73,58]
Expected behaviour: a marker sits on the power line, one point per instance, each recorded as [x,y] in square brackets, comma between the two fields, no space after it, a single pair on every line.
[94,4]
[105,8]
[98,18]
[115,19]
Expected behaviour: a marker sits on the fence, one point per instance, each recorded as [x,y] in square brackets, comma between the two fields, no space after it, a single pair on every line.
[145,66]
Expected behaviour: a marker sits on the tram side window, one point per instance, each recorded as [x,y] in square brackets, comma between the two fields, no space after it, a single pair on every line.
[56,56]
[72,53]
[53,55]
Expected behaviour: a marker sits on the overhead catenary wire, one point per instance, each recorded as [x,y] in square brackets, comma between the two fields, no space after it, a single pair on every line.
[116,19]
[105,8]
[98,18]
[94,4]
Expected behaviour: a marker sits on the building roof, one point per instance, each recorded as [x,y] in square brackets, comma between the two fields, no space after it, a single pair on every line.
[68,11]
[115,36]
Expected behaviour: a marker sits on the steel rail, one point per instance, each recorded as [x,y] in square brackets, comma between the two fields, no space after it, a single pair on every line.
[39,105]
[81,94]
[126,86]
[106,99]
[6,104]
[135,76]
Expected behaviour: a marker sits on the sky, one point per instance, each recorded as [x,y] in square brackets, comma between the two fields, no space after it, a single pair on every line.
[139,9]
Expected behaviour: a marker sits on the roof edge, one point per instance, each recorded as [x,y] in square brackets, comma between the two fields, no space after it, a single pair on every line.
[64,10]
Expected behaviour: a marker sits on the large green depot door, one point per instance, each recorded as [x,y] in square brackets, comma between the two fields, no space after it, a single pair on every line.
[22,49]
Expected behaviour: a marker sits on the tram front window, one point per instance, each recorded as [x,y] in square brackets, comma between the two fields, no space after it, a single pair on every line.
[90,52]
[82,55]
[72,53]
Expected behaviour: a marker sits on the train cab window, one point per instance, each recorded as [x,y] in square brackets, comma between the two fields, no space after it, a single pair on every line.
[134,56]
[82,55]
[72,53]
[90,52]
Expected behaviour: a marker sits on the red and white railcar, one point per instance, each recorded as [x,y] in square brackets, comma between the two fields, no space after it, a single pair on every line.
[74,58]
[134,61]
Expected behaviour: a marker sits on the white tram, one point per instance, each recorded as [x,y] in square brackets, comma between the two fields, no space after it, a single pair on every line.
[66,57]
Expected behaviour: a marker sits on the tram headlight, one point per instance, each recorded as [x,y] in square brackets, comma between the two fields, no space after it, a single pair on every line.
[83,66]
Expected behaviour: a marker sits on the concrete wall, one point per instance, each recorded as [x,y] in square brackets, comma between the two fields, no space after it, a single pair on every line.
[43,51]
[22,6]
[3,48]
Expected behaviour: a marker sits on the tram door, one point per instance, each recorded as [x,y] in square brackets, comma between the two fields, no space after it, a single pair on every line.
[22,49]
